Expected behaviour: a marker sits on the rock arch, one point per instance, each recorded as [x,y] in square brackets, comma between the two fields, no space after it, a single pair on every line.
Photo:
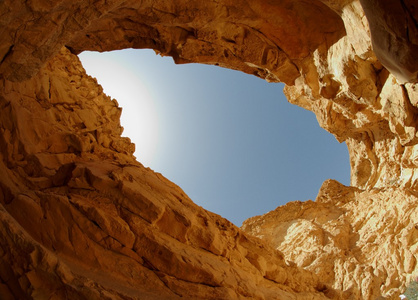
[75,204]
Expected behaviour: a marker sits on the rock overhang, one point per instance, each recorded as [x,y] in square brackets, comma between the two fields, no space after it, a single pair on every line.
[322,50]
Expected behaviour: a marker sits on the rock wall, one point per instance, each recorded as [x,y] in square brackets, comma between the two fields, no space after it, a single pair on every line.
[363,242]
[81,218]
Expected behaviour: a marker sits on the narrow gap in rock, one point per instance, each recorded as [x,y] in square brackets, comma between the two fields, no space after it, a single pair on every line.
[231,141]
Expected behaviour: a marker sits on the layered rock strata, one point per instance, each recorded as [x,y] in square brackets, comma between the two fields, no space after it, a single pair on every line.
[81,218]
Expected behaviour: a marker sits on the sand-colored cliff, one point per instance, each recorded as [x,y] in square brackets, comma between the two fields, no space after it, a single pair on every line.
[82,219]
[363,242]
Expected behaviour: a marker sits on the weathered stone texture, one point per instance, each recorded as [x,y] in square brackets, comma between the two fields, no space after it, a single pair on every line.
[81,218]
[363,242]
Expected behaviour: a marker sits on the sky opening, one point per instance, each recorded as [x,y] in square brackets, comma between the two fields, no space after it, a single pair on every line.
[230,140]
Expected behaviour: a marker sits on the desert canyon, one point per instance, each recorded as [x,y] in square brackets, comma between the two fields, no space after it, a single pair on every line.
[81,218]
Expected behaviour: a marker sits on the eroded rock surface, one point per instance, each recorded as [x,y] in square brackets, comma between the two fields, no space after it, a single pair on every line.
[364,242]
[81,218]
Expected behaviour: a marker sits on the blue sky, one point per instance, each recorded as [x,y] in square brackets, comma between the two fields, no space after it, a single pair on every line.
[230,140]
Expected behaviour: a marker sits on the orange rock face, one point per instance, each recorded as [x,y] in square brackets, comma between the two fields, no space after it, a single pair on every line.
[82,219]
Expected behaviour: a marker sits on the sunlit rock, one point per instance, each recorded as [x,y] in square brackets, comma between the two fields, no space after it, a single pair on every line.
[82,219]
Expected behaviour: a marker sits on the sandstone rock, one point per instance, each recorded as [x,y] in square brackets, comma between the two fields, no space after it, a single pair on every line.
[82,219]
[394,30]
[363,242]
